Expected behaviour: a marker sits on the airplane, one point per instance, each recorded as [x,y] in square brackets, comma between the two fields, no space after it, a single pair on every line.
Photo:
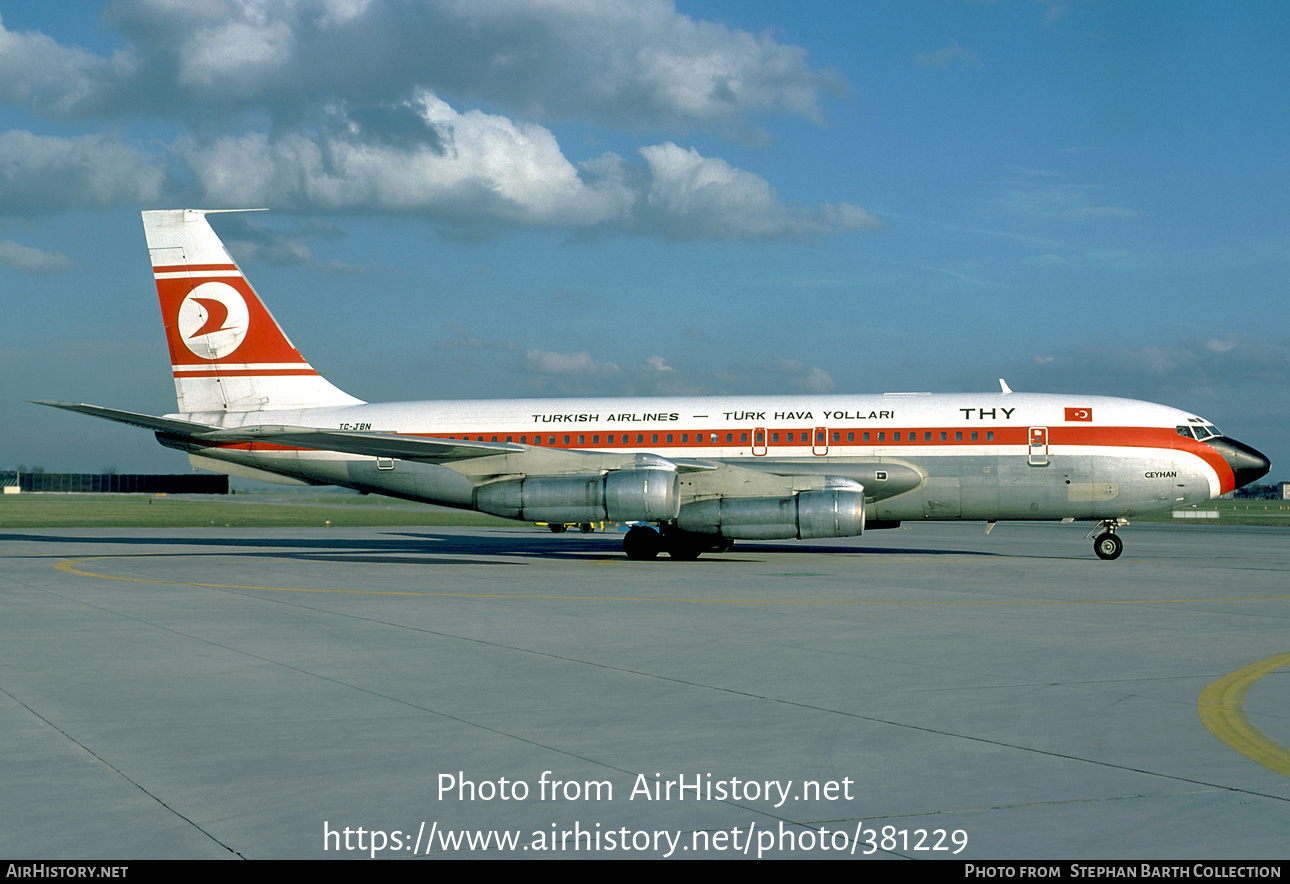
[690,474]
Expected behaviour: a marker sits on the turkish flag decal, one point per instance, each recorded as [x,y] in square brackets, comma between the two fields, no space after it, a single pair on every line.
[1079,414]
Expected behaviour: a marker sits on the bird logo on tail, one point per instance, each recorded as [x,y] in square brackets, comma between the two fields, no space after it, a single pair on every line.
[213,320]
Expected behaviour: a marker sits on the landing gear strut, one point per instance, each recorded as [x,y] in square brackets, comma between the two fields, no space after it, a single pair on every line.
[1108,544]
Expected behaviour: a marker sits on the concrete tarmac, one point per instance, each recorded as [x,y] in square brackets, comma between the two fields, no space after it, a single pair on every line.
[928,692]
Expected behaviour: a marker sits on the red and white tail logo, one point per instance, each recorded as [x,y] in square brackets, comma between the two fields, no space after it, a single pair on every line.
[227,351]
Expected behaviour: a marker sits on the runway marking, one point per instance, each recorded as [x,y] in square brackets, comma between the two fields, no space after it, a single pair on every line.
[1222,710]
[68,566]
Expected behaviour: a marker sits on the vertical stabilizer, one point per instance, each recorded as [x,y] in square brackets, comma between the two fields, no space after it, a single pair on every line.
[227,351]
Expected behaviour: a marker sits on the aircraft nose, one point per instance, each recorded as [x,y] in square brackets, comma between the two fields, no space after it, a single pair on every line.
[1248,465]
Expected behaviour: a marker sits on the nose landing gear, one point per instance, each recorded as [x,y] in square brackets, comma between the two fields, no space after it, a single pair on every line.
[1108,544]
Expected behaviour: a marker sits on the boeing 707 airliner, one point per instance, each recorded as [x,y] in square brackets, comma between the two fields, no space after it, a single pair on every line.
[690,474]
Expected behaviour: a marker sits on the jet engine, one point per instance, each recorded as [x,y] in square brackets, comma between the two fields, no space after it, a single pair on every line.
[636,495]
[837,511]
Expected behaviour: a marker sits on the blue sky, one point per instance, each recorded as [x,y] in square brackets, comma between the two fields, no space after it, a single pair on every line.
[570,197]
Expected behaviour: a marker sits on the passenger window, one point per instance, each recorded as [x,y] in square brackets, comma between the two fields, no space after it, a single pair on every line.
[927,437]
[743,437]
[944,437]
[685,437]
[960,435]
[566,440]
[653,439]
[851,437]
[895,437]
[882,437]
[640,438]
[669,438]
[774,437]
[989,435]
[866,437]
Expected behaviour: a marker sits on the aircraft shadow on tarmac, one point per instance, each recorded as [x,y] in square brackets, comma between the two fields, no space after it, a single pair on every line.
[428,548]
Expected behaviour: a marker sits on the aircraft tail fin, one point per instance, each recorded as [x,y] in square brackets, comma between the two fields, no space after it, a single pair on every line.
[227,351]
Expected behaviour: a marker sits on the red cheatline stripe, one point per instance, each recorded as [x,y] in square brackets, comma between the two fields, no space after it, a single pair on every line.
[191,268]
[246,372]
[1092,437]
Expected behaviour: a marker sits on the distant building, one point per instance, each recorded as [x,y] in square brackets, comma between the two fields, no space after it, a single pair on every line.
[113,483]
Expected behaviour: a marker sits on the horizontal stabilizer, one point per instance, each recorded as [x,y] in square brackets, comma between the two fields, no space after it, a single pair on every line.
[350,442]
[134,419]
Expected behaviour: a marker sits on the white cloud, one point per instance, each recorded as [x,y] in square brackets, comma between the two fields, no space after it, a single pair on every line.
[613,62]
[478,166]
[339,105]
[546,362]
[695,197]
[485,170]
[236,56]
[465,339]
[45,172]
[36,70]
[943,57]
[1185,371]
[30,260]
[1040,194]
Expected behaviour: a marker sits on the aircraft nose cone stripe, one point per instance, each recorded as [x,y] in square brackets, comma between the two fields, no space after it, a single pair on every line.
[1248,465]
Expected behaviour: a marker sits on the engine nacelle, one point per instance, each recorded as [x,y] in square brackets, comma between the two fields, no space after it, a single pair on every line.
[806,514]
[639,495]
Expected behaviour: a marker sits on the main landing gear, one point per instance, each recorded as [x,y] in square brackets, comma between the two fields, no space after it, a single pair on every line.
[642,543]
[1108,544]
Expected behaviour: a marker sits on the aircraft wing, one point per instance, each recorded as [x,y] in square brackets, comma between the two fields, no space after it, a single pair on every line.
[372,444]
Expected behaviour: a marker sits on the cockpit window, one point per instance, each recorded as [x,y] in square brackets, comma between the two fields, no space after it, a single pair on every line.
[1200,431]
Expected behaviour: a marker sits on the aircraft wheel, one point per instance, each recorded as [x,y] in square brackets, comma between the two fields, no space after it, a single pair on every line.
[1108,546]
[556,529]
[642,543]
[586,527]
[685,550]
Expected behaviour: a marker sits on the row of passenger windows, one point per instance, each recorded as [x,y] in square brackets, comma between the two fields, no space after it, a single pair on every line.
[803,438]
